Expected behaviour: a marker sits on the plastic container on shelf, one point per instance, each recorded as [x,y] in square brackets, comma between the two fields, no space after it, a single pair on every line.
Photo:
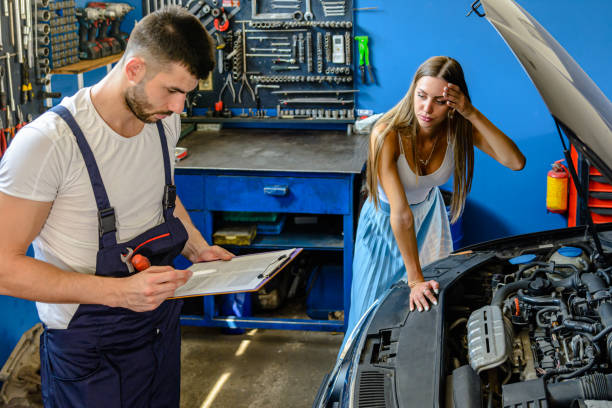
[325,292]
[244,216]
[235,235]
[271,228]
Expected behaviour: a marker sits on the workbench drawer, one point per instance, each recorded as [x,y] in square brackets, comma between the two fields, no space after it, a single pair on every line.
[190,190]
[277,194]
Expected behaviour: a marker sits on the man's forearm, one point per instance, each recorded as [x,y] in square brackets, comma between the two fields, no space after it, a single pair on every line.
[31,279]
[195,242]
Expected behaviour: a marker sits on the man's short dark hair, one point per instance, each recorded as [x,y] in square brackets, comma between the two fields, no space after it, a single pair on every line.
[172,34]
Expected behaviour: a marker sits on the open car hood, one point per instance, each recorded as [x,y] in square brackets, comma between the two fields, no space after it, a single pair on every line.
[577,104]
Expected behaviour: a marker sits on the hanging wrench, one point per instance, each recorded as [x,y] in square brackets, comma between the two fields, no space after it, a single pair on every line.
[127,260]
[308,13]
[135,262]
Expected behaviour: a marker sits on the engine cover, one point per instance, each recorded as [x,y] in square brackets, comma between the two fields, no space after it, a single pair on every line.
[489,339]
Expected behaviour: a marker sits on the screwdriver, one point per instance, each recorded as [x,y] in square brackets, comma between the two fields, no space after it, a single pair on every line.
[284,67]
[2,90]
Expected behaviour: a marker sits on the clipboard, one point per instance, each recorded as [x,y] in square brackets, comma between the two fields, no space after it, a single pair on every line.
[246,273]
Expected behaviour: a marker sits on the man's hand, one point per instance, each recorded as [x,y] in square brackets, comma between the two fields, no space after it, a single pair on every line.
[146,290]
[212,253]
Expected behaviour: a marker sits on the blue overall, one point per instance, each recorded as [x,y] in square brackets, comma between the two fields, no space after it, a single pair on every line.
[114,357]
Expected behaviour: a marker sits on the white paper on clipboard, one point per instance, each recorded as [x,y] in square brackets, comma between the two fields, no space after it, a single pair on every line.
[244,273]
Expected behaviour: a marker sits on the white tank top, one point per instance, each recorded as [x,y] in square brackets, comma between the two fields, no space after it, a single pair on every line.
[417,189]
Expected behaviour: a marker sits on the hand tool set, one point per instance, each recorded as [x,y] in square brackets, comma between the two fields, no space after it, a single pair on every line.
[271,49]
[35,36]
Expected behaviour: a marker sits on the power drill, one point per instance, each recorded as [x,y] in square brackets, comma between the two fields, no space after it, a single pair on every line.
[104,22]
[105,48]
[88,48]
[120,10]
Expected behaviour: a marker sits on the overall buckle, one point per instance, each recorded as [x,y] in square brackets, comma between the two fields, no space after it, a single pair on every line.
[106,221]
[169,196]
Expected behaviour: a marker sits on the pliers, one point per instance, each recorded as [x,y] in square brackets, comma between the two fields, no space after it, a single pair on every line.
[245,81]
[227,84]
[20,119]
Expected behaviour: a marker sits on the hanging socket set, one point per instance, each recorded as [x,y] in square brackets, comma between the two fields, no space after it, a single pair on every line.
[278,59]
[63,33]
[26,35]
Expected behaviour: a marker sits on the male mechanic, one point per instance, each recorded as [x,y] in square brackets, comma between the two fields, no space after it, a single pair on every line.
[90,185]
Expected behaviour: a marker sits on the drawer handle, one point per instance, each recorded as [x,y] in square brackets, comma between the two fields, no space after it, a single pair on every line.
[276,190]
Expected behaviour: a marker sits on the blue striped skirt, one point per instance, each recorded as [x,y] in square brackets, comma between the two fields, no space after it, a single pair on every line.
[378,263]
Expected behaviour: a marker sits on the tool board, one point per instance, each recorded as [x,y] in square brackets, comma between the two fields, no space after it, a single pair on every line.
[278,58]
[26,28]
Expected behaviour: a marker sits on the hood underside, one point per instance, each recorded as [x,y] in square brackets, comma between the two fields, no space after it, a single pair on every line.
[576,103]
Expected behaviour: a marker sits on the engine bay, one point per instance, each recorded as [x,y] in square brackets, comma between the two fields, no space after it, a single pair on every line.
[532,327]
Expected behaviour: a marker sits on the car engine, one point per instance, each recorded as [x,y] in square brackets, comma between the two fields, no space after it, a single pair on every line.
[533,329]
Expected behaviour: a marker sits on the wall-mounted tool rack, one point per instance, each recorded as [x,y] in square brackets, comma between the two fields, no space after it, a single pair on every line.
[25,60]
[277,60]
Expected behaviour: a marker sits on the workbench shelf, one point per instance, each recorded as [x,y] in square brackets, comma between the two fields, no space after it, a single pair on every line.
[86,65]
[322,242]
[323,233]
[267,119]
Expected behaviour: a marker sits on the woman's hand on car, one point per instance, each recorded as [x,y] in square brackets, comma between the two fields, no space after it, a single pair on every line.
[422,293]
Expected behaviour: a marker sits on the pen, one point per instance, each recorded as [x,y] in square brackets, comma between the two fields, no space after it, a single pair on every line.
[263,274]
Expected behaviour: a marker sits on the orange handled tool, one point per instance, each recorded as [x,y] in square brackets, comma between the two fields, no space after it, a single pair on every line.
[140,262]
[135,262]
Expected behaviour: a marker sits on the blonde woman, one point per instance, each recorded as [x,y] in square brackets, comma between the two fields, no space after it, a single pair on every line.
[414,148]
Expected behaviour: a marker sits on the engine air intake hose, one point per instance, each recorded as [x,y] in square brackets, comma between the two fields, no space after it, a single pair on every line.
[589,387]
[596,286]
[503,292]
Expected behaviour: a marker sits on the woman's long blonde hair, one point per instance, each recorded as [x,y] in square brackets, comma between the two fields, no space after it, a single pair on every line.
[401,118]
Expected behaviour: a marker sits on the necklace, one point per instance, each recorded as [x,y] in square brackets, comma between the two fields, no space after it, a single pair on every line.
[425,162]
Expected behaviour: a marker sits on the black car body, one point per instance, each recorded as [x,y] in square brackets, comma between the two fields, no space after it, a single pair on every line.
[524,321]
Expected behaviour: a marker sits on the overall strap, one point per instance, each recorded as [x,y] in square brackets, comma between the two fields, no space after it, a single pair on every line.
[169,199]
[106,213]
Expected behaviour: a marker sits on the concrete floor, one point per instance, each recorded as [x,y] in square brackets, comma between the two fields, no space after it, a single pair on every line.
[260,368]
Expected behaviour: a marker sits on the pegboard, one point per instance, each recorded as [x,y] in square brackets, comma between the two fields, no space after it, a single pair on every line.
[24,63]
[298,61]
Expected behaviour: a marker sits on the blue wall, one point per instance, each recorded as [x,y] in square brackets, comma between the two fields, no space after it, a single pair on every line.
[405,33]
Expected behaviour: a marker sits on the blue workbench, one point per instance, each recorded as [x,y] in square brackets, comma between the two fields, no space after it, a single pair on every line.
[274,171]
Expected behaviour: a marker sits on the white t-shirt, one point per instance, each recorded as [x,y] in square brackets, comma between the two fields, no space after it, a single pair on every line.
[44,163]
[417,188]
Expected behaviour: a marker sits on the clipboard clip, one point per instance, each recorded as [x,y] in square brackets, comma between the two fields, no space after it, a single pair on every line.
[266,273]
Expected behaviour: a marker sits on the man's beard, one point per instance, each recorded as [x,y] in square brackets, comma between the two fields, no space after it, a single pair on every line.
[136,100]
